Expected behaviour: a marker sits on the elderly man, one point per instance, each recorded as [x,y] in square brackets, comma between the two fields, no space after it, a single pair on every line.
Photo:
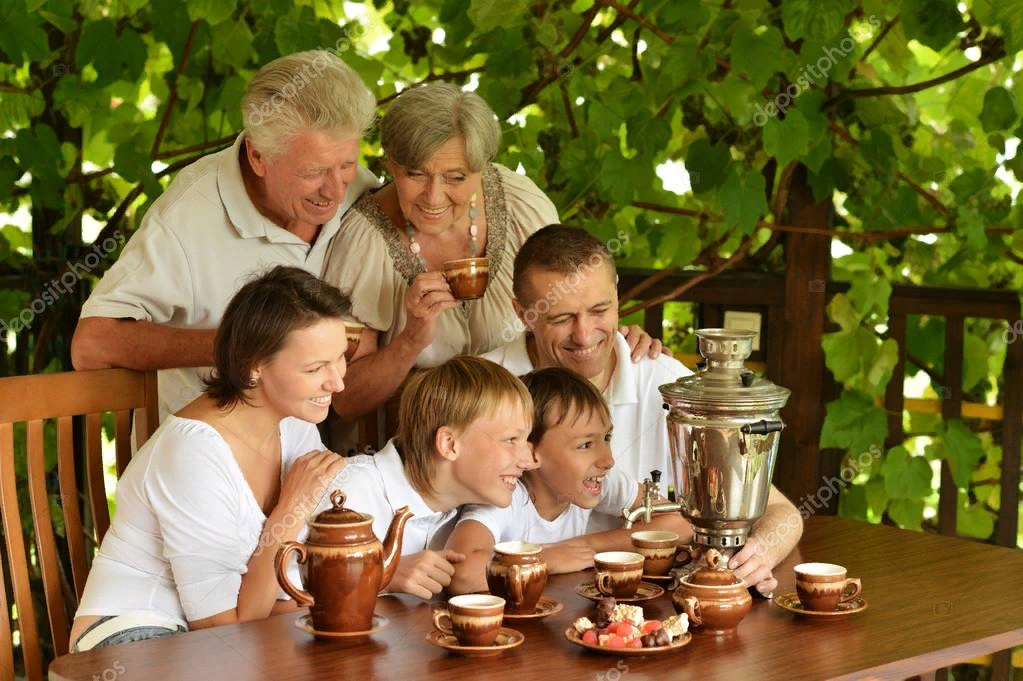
[275,197]
[565,290]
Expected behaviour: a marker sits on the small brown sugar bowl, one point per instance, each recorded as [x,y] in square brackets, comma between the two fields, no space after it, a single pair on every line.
[713,596]
[468,277]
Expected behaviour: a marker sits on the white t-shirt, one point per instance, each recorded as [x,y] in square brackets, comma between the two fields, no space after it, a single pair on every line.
[186,525]
[521,521]
[376,484]
[197,245]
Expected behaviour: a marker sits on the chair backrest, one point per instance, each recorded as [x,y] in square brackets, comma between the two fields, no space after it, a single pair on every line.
[31,408]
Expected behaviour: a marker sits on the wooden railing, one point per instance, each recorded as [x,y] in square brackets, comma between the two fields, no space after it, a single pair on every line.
[801,462]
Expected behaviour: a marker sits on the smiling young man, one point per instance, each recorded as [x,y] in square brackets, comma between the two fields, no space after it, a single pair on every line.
[275,197]
[565,287]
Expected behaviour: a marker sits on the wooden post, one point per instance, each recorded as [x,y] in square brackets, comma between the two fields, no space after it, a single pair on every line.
[808,266]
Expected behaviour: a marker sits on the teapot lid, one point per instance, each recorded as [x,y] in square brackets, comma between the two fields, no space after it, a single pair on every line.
[724,383]
[716,573]
[338,515]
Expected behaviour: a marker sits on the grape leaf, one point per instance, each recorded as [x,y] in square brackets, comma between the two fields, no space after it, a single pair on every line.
[232,44]
[23,39]
[877,497]
[756,54]
[908,513]
[213,11]
[819,21]
[906,476]
[853,503]
[852,422]
[962,448]
[933,23]
[841,311]
[743,200]
[975,520]
[999,111]
[707,165]
[788,139]
[489,14]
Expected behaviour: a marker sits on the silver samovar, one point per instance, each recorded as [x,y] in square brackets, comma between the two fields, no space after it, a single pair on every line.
[723,428]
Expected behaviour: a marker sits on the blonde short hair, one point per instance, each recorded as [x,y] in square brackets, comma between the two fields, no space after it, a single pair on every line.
[306,89]
[455,394]
[421,120]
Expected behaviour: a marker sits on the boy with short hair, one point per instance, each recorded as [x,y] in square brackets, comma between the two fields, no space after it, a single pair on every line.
[552,505]
[462,438]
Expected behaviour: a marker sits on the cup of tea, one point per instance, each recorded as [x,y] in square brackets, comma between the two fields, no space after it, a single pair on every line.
[468,277]
[353,332]
[618,573]
[473,619]
[517,573]
[822,586]
[658,550]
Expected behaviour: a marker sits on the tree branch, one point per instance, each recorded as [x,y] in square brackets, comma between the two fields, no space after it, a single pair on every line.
[923,85]
[641,20]
[568,110]
[880,36]
[739,254]
[616,24]
[173,97]
[928,196]
[637,70]
[533,90]
[445,75]
[205,146]
[18,89]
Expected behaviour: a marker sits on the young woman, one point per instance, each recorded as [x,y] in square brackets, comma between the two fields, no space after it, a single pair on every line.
[204,506]
[553,503]
[463,431]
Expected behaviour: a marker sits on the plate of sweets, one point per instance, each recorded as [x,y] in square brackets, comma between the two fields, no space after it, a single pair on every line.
[622,629]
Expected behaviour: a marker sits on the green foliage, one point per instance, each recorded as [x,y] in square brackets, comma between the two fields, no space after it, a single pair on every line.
[591,105]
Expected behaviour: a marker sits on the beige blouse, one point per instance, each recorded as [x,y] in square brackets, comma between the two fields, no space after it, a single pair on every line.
[369,262]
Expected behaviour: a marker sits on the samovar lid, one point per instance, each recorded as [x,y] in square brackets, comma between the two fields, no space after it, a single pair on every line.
[724,382]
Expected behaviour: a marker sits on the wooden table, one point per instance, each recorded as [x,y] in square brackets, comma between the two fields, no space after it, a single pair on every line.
[933,601]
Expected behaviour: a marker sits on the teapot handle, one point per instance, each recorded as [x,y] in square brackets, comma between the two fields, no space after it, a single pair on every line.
[302,598]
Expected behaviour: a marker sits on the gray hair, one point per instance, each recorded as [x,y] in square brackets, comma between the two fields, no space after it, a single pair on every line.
[421,120]
[306,89]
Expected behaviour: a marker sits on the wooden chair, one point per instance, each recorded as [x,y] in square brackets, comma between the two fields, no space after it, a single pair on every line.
[70,399]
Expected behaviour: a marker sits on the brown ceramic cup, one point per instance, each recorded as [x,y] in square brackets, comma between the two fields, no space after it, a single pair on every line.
[822,586]
[618,573]
[353,332]
[517,573]
[473,619]
[658,550]
[468,277]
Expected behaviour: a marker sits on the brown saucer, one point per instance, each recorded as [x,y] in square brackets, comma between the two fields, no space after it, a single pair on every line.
[305,622]
[544,608]
[645,592]
[657,578]
[790,602]
[575,637]
[506,638]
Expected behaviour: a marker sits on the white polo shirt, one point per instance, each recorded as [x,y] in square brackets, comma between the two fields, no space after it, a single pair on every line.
[376,484]
[521,521]
[197,245]
[639,442]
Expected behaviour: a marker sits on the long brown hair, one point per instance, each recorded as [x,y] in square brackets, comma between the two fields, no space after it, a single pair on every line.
[257,322]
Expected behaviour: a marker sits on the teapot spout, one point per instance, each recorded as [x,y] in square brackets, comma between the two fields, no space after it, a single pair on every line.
[392,544]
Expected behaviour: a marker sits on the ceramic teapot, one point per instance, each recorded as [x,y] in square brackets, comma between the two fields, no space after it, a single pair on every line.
[347,566]
[713,596]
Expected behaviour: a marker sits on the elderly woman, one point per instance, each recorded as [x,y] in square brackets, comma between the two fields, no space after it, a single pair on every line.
[448,200]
